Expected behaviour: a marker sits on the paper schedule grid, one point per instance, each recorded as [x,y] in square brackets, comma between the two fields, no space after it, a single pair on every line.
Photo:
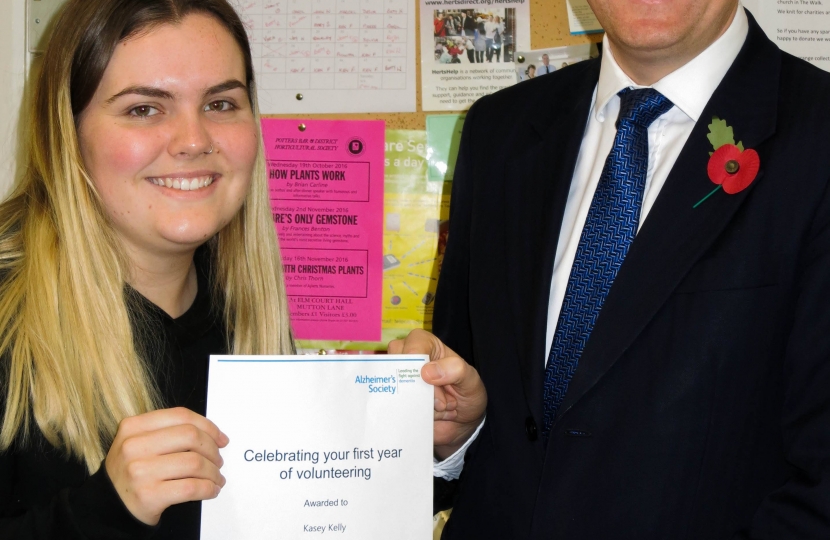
[340,55]
[321,445]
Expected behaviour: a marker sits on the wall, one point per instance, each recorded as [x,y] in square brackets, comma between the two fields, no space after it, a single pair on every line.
[549,28]
[13,57]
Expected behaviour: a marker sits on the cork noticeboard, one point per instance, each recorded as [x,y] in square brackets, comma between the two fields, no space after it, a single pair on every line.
[548,27]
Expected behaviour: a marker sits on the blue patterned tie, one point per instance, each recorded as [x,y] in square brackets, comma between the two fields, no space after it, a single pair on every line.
[609,230]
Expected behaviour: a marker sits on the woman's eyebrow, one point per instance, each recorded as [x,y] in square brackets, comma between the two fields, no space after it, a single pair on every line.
[158,93]
[230,84]
[148,91]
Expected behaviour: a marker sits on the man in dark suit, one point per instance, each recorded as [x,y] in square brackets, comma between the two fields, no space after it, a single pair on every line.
[671,385]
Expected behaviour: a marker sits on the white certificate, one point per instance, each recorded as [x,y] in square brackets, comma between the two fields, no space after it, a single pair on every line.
[321,445]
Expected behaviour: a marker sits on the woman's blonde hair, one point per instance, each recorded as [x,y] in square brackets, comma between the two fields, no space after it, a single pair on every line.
[70,362]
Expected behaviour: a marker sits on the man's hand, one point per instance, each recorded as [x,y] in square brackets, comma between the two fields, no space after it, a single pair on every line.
[460,396]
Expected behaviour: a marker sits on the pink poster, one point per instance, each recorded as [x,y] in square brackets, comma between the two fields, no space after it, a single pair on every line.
[326,185]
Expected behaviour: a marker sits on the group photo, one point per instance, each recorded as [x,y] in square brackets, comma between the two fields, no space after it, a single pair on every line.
[471,36]
[532,64]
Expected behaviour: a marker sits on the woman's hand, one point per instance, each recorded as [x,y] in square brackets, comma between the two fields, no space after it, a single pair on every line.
[165,457]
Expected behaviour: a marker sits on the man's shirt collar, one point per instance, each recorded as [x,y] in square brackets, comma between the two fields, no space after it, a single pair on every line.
[690,86]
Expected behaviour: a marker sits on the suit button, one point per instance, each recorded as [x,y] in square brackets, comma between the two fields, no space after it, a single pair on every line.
[530,429]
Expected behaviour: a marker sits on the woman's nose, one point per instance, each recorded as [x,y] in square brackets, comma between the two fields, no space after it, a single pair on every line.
[190,137]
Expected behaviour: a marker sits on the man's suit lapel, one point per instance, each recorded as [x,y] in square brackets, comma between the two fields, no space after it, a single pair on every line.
[538,179]
[675,235]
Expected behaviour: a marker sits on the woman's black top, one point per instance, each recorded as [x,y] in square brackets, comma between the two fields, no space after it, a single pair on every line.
[46,495]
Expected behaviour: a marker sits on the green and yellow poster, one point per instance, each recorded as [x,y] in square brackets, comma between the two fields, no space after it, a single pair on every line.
[415,233]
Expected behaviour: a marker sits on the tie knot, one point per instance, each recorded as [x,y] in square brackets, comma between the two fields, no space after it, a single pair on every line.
[642,107]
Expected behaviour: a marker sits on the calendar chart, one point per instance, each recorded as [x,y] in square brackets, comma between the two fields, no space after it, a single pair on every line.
[332,56]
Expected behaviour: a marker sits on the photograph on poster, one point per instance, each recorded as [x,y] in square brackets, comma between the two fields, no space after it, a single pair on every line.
[532,64]
[474,36]
[468,48]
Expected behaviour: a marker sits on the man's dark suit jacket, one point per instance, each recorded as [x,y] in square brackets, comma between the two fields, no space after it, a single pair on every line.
[700,408]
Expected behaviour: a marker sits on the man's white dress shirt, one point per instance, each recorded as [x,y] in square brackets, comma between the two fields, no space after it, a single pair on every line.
[545,69]
[689,88]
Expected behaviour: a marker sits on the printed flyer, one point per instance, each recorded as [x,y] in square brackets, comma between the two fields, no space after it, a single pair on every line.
[467,49]
[581,18]
[355,460]
[326,189]
[800,27]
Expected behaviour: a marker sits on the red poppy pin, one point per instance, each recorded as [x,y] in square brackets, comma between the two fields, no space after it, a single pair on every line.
[730,166]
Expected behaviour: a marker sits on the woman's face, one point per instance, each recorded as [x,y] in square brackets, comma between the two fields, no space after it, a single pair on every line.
[170,138]
[531,72]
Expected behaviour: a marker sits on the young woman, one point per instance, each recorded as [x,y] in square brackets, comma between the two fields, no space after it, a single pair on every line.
[498,38]
[139,242]
[440,25]
[479,41]
[490,28]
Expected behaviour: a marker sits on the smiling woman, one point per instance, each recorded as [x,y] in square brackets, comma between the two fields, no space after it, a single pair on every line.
[186,121]
[139,242]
